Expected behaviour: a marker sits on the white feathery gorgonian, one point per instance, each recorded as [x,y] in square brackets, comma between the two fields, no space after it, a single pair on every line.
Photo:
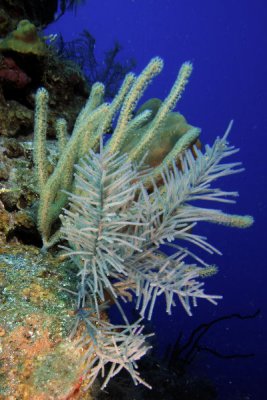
[115,227]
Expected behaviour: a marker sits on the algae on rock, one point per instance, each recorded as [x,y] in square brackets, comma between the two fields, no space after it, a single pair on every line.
[37,360]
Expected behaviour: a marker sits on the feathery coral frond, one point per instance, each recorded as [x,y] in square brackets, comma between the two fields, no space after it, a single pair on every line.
[99,213]
[115,227]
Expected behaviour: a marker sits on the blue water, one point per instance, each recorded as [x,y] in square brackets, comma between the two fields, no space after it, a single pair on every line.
[227,42]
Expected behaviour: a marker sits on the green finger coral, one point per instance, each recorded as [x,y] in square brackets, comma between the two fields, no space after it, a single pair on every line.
[154,126]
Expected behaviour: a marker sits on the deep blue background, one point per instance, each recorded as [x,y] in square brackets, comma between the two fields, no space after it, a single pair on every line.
[227,42]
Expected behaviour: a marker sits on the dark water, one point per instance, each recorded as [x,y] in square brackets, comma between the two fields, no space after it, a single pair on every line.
[227,42]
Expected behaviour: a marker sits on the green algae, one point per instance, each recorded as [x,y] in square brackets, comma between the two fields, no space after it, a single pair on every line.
[31,283]
[37,358]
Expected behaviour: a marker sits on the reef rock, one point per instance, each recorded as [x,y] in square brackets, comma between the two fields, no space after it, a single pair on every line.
[38,361]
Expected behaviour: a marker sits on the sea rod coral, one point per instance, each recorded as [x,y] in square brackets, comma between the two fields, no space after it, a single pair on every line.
[133,133]
[120,212]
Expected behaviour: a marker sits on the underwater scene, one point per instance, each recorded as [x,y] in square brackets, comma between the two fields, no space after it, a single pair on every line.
[133,200]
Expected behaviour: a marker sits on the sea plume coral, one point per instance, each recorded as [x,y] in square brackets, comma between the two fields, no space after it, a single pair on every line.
[115,227]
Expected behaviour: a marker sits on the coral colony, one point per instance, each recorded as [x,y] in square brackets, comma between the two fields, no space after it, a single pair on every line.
[119,202]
